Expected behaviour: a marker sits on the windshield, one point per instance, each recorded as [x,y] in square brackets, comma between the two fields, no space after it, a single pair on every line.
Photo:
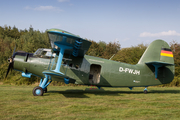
[43,52]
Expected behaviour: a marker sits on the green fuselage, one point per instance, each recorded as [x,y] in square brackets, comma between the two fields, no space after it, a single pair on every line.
[89,70]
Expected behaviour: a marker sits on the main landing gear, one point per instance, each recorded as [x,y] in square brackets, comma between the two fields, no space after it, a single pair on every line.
[42,88]
[145,90]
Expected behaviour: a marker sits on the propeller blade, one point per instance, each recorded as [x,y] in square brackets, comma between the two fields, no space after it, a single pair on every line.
[14,51]
[10,60]
[9,67]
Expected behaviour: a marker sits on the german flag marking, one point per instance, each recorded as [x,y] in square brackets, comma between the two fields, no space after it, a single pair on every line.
[166,52]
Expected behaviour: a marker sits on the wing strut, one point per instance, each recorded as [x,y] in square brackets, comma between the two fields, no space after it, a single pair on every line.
[156,69]
[61,53]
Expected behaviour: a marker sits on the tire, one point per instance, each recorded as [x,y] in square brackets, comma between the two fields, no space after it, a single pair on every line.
[145,91]
[38,91]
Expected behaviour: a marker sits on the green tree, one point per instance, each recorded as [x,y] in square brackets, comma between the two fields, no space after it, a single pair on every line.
[103,50]
[176,53]
[95,50]
[111,49]
[28,41]
[130,55]
[33,40]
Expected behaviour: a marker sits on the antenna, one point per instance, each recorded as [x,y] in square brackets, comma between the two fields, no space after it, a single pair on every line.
[112,57]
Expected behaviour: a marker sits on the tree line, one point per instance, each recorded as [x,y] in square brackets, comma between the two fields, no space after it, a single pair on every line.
[30,40]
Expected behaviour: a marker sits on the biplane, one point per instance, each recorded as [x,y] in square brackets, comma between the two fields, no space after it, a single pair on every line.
[67,62]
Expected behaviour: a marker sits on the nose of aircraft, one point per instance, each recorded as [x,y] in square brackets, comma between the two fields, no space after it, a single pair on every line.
[11,61]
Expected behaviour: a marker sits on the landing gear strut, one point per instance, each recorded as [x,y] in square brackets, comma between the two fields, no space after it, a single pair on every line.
[42,88]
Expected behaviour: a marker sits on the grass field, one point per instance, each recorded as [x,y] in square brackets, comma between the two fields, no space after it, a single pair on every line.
[80,103]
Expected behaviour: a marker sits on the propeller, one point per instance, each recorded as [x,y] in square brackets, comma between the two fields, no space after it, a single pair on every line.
[10,60]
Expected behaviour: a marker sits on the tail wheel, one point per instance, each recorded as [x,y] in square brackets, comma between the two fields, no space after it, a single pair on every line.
[145,91]
[38,91]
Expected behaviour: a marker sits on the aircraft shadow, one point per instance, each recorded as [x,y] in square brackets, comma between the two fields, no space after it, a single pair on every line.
[164,91]
[71,93]
[81,93]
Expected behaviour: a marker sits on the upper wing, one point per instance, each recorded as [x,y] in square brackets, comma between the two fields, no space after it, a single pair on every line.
[77,46]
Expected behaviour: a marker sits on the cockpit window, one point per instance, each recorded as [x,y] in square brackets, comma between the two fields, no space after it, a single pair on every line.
[44,53]
[38,51]
[49,53]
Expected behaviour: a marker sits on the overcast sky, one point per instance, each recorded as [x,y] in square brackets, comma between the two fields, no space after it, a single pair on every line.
[131,22]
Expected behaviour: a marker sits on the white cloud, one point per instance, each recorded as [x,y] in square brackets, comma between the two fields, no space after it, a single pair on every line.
[168,33]
[63,0]
[44,8]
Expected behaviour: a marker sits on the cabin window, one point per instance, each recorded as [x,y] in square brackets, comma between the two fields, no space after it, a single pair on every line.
[94,75]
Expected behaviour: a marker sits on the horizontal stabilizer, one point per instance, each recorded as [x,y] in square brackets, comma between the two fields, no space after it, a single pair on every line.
[158,64]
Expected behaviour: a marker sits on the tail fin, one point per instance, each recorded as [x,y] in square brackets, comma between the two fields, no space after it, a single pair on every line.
[158,51]
[159,55]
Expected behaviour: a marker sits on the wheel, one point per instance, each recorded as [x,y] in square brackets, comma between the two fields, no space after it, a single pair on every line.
[45,90]
[145,91]
[38,91]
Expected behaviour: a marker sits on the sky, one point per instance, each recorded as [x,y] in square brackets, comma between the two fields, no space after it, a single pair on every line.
[129,22]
